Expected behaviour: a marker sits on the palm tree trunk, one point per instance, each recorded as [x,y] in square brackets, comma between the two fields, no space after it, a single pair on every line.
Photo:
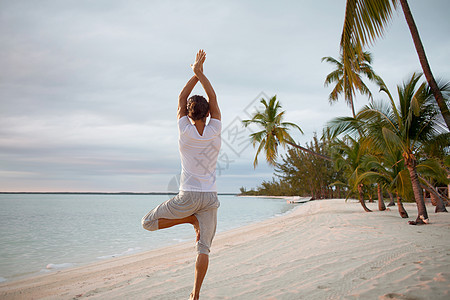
[437,201]
[392,203]
[435,196]
[410,163]
[309,151]
[401,209]
[424,62]
[381,205]
[433,199]
[361,198]
[353,107]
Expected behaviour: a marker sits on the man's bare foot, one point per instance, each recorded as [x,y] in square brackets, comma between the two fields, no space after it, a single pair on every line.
[192,297]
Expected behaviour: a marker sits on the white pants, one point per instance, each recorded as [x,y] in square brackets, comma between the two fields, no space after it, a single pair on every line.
[201,204]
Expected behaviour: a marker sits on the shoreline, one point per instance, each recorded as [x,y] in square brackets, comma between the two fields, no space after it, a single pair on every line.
[321,249]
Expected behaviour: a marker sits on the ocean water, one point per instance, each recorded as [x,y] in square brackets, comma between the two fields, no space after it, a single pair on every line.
[47,232]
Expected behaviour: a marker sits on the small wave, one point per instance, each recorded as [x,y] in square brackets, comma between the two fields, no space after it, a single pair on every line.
[181,240]
[128,252]
[59,266]
[282,213]
[3,279]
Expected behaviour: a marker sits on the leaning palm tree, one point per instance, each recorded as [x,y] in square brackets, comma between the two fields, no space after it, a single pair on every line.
[274,132]
[366,20]
[348,81]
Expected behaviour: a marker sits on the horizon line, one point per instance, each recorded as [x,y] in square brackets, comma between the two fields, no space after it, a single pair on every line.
[106,193]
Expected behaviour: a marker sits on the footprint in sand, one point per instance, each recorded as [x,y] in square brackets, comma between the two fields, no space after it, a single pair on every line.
[397,297]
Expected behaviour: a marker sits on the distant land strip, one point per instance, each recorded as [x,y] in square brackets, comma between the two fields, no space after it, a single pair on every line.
[106,193]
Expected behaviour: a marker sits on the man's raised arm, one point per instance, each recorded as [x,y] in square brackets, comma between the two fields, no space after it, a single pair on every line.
[212,99]
[184,94]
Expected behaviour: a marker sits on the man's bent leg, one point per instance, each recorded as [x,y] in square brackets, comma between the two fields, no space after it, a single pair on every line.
[201,266]
[172,209]
[166,223]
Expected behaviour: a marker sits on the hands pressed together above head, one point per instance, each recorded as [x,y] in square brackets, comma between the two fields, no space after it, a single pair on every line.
[200,58]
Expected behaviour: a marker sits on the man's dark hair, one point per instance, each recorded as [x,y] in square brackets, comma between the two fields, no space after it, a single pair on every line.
[197,107]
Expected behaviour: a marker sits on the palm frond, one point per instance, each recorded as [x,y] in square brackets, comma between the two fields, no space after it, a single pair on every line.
[261,146]
[364,21]
[392,140]
[343,125]
[278,118]
[334,76]
[331,60]
[257,137]
[289,124]
[432,169]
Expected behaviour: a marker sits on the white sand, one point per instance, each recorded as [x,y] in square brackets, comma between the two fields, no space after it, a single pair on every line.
[323,250]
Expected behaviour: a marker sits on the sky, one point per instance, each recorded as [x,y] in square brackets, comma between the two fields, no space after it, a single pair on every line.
[88,89]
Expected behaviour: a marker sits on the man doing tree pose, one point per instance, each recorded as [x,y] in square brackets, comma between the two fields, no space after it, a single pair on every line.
[199,144]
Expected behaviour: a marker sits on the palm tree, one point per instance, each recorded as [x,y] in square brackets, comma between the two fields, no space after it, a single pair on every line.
[274,132]
[348,156]
[406,127]
[365,20]
[348,81]
[388,172]
[372,163]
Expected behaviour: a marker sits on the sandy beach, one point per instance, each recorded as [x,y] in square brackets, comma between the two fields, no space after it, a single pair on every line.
[325,249]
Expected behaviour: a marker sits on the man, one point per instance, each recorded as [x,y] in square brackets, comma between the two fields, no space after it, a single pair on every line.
[199,144]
